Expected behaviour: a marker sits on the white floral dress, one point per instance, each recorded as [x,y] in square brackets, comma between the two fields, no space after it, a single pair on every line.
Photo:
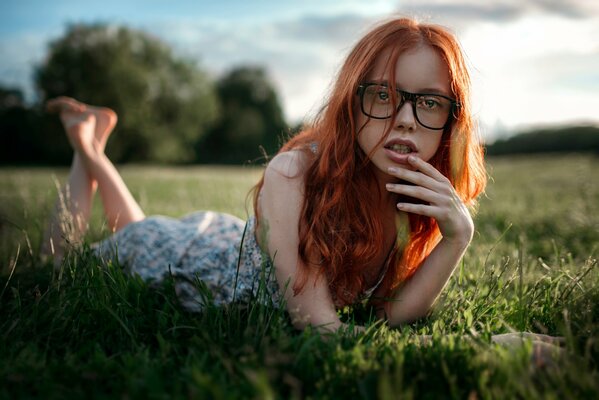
[203,248]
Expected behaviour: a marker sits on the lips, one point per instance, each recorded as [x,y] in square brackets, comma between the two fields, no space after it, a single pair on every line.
[397,150]
[400,146]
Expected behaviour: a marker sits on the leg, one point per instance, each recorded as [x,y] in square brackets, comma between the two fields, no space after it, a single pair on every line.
[71,212]
[106,119]
[88,129]
[120,207]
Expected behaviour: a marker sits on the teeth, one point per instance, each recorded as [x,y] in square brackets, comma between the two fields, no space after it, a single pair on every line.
[401,148]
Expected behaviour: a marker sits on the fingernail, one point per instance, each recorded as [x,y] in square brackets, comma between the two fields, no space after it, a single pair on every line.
[392,170]
[389,186]
[411,158]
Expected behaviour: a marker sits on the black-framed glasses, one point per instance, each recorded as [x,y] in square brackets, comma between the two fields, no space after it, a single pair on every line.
[433,111]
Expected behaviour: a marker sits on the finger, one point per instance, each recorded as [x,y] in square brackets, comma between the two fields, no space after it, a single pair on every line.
[426,168]
[418,192]
[544,338]
[415,177]
[420,209]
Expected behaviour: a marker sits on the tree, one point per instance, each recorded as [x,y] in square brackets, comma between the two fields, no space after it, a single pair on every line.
[10,98]
[23,138]
[165,104]
[251,121]
[582,139]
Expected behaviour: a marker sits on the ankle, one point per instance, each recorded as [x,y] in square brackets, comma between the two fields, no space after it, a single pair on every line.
[89,155]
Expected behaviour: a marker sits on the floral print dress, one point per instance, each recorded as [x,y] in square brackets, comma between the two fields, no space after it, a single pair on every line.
[203,248]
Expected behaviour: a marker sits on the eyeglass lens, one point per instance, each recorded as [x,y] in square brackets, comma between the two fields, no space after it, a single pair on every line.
[432,111]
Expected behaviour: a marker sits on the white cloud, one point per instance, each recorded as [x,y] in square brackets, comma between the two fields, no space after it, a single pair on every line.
[460,13]
[535,70]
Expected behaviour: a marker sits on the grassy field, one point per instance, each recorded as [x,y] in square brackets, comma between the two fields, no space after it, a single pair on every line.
[93,332]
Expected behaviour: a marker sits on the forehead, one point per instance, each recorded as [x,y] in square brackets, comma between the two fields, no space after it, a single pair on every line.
[418,69]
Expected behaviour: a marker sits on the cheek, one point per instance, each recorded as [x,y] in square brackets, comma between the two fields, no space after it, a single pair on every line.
[437,144]
[360,122]
[432,147]
[363,140]
[371,136]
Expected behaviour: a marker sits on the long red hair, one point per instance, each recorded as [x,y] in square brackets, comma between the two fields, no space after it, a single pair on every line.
[341,229]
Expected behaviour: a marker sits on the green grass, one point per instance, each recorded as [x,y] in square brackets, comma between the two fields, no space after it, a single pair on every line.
[94,332]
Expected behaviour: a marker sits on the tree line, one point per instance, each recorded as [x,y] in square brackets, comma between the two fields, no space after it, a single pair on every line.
[170,110]
[569,139]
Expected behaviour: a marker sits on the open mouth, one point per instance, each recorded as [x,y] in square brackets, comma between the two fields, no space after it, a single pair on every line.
[400,148]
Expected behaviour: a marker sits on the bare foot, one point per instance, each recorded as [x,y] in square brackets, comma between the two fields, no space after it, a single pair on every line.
[105,118]
[80,128]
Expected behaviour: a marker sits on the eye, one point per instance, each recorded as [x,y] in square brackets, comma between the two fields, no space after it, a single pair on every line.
[382,95]
[431,103]
[378,94]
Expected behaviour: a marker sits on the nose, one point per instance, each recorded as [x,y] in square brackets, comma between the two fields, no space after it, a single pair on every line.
[405,118]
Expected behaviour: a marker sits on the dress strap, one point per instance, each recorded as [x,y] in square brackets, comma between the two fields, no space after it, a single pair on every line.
[368,292]
[402,225]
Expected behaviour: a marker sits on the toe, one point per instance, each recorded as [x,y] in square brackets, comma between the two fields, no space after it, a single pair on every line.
[64,103]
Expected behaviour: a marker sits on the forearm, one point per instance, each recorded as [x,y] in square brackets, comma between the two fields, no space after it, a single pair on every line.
[334,329]
[415,298]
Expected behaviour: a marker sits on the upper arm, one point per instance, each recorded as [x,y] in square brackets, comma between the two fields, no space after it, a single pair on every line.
[280,205]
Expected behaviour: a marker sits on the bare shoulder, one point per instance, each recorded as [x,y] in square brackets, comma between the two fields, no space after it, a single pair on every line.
[281,195]
[288,165]
[283,187]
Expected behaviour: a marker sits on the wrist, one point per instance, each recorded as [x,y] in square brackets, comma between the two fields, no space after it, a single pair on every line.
[461,241]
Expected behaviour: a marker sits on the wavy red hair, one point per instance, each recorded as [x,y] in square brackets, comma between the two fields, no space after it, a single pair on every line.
[341,230]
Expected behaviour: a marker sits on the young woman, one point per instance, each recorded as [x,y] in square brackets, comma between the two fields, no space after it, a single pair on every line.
[393,152]
[370,202]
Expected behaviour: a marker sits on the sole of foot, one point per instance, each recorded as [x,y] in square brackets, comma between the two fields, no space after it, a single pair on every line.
[105,118]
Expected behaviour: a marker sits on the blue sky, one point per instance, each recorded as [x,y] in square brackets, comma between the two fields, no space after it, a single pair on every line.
[533,62]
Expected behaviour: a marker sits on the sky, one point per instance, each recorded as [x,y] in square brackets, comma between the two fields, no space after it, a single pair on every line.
[532,62]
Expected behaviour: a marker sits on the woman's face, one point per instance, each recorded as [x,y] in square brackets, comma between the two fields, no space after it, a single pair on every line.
[418,70]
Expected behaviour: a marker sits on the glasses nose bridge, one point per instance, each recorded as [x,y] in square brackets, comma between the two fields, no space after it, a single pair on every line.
[404,97]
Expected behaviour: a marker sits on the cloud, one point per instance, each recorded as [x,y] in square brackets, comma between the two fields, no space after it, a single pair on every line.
[461,13]
[569,8]
[333,30]
[301,54]
[569,72]
[538,69]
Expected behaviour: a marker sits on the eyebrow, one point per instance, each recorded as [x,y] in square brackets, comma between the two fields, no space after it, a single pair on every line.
[423,90]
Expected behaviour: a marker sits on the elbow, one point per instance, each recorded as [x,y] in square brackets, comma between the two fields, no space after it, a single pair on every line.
[300,321]
[397,316]
[328,327]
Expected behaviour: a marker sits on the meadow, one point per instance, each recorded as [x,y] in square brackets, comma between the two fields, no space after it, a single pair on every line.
[88,331]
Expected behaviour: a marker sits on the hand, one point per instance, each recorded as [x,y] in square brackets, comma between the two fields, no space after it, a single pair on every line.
[442,202]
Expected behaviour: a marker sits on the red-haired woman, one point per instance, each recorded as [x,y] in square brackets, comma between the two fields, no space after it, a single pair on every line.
[369,202]
[376,190]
